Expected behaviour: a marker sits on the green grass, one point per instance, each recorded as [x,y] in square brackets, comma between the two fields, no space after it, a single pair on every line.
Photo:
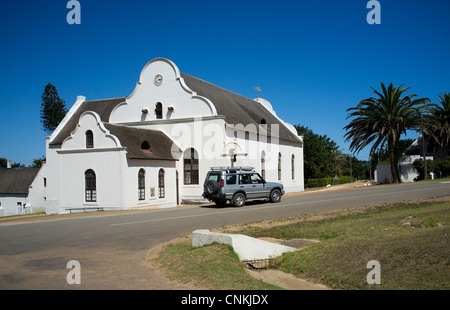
[410,258]
[214,266]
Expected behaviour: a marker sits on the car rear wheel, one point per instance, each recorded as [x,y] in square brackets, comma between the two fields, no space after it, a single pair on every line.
[239,200]
[275,195]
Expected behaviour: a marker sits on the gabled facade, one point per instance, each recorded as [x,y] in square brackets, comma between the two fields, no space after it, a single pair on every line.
[154,147]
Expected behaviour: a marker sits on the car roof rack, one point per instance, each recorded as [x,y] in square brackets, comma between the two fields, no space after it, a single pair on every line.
[236,169]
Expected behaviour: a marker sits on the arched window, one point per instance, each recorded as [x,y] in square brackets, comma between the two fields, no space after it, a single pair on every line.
[293,166]
[279,166]
[145,147]
[263,165]
[90,186]
[141,184]
[158,110]
[161,190]
[89,139]
[190,166]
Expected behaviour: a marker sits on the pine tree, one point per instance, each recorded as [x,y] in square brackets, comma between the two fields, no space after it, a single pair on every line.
[53,108]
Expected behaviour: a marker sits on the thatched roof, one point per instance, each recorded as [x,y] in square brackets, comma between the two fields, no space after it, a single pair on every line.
[16,180]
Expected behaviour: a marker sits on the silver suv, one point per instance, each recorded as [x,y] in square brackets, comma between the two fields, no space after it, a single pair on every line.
[238,184]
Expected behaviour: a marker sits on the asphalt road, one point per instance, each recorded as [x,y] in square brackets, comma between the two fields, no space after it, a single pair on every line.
[111,248]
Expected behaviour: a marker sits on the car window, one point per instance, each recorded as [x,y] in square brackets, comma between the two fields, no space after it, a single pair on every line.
[231,179]
[214,177]
[255,178]
[244,179]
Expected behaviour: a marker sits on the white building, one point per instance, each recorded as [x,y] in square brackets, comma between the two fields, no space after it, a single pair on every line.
[22,190]
[154,147]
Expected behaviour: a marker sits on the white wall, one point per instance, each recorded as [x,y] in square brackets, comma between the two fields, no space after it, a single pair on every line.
[213,139]
[108,172]
[9,204]
[37,192]
[151,169]
[407,172]
[67,166]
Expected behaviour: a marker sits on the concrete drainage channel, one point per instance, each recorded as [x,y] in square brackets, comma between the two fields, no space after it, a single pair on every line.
[256,254]
[247,248]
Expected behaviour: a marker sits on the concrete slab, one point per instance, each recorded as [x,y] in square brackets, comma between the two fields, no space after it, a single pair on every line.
[247,248]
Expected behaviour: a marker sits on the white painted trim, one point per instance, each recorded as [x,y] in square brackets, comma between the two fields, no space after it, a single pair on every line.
[67,117]
[99,124]
[178,78]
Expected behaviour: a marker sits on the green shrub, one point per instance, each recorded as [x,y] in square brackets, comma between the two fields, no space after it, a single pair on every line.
[441,167]
[325,181]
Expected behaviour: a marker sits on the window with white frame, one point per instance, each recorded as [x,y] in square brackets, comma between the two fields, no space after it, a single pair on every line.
[90,186]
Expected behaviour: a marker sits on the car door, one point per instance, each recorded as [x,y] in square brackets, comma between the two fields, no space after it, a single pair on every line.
[246,185]
[259,190]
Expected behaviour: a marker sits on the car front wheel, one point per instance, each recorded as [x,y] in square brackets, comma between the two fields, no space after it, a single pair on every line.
[275,195]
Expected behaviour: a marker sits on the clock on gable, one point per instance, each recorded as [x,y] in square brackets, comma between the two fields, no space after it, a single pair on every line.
[158,79]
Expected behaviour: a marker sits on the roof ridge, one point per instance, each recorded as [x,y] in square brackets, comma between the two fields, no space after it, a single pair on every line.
[104,99]
[229,91]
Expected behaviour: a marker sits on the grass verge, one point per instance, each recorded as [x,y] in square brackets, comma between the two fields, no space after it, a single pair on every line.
[410,257]
[214,266]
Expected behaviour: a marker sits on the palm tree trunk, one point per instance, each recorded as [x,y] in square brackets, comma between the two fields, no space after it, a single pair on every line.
[394,160]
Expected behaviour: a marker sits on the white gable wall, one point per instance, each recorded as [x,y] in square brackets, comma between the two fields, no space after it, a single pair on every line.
[116,176]
[102,138]
[70,162]
[171,92]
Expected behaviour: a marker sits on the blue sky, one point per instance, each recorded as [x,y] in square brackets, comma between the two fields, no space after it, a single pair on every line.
[312,59]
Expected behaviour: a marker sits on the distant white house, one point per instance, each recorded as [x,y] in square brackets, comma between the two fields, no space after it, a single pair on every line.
[407,171]
[22,190]
[154,147]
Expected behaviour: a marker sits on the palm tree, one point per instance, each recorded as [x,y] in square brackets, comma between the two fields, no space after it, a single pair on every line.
[383,120]
[438,122]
